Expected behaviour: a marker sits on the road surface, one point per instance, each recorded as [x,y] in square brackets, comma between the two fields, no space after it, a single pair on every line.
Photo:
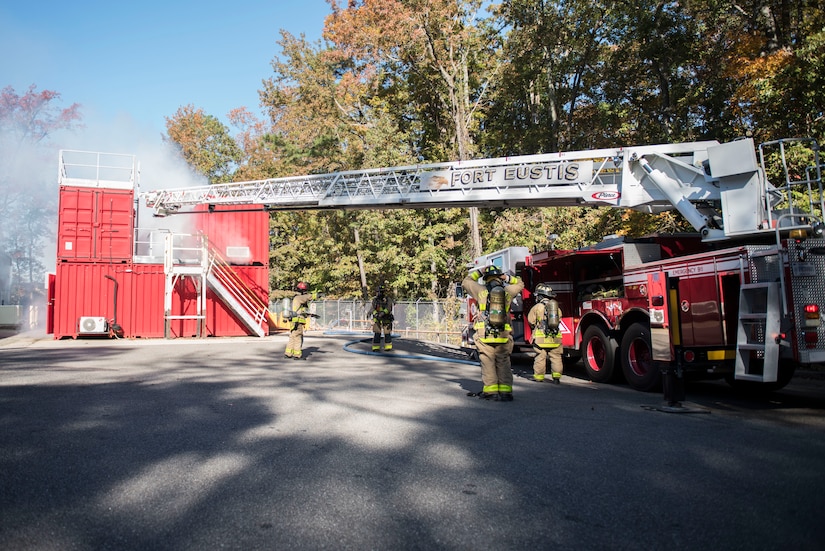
[225,444]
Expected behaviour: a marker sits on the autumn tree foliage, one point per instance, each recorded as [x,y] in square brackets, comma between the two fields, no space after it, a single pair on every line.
[27,192]
[398,82]
[324,119]
[432,54]
[204,143]
[776,63]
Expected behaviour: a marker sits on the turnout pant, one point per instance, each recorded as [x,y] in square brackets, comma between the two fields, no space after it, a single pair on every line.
[496,375]
[295,345]
[540,362]
[377,329]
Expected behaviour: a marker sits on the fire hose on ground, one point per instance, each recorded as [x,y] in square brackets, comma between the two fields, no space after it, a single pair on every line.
[348,347]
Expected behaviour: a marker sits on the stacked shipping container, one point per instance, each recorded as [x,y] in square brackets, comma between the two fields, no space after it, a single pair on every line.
[98,276]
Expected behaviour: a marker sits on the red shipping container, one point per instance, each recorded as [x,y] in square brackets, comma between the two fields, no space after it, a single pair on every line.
[98,283]
[132,296]
[144,318]
[95,225]
[239,233]
[84,293]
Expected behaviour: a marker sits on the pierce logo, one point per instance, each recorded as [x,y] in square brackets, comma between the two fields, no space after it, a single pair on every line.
[606,195]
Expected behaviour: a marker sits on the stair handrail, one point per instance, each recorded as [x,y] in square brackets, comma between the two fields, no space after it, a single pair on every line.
[251,302]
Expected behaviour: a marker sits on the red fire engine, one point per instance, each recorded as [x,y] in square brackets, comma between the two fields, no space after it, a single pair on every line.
[739,299]
[633,307]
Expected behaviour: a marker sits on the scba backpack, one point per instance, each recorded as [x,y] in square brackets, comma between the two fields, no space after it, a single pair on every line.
[551,317]
[496,307]
[286,305]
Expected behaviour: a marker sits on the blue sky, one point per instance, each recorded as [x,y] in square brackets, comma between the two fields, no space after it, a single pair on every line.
[141,61]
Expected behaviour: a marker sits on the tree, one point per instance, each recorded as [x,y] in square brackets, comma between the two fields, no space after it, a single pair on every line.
[435,52]
[648,71]
[204,143]
[257,161]
[397,82]
[326,116]
[27,191]
[322,120]
[318,118]
[551,52]
[775,62]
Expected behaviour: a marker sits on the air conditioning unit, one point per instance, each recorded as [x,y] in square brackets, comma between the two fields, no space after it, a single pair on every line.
[89,325]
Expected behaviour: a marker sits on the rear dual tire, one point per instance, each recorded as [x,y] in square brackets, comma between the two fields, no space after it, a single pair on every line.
[599,354]
[637,359]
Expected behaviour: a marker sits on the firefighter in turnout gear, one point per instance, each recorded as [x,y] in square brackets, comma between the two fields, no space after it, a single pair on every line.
[544,319]
[299,321]
[493,333]
[382,319]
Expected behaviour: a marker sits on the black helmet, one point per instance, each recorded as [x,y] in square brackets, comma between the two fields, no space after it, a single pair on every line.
[491,272]
[302,286]
[543,290]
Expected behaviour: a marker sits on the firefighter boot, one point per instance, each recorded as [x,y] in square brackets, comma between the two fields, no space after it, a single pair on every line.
[556,378]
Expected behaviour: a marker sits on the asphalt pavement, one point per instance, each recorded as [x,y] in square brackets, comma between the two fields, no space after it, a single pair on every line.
[225,444]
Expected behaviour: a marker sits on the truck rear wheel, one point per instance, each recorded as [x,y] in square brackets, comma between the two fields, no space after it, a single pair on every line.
[599,354]
[637,360]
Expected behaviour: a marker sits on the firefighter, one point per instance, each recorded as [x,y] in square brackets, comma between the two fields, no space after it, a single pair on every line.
[544,319]
[299,320]
[382,319]
[493,333]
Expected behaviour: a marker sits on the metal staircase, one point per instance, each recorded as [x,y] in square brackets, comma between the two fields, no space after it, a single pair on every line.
[190,256]
[236,295]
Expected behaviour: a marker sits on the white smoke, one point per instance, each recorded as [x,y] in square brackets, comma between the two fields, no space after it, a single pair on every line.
[31,172]
[159,165]
[27,197]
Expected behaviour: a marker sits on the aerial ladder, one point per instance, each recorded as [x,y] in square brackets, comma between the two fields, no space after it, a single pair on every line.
[719,188]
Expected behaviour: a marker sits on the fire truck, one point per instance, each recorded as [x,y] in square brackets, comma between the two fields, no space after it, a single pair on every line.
[740,298]
[634,307]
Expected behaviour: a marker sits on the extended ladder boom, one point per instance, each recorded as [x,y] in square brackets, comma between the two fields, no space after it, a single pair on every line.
[699,179]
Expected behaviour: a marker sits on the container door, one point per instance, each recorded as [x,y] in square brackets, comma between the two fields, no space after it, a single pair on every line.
[75,231]
[113,226]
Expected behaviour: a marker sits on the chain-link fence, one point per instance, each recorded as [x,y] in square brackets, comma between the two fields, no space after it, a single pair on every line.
[436,321]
